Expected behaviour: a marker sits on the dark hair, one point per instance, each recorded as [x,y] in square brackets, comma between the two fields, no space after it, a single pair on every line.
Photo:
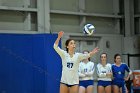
[67,43]
[116,56]
[102,54]
[88,52]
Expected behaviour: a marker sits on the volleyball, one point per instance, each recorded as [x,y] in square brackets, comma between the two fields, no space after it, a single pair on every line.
[88,29]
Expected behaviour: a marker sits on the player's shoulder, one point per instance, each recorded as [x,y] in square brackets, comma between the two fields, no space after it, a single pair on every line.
[81,63]
[77,53]
[109,64]
[99,65]
[90,62]
[65,52]
[123,64]
[113,64]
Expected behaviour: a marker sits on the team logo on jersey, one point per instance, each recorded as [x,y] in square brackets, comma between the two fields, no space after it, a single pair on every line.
[119,72]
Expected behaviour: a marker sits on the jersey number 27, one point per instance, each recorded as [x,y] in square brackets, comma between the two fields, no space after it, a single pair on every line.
[69,65]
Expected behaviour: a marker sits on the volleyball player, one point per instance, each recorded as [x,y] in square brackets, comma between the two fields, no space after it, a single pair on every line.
[104,75]
[118,69]
[70,63]
[86,71]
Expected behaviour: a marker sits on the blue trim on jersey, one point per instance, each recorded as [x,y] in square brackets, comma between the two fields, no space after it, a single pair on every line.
[86,83]
[104,83]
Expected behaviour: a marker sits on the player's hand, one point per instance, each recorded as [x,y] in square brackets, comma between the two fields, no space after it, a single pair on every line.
[126,78]
[60,34]
[109,74]
[86,74]
[95,50]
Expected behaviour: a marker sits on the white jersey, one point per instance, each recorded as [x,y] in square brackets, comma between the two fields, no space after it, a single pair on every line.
[102,70]
[86,71]
[70,66]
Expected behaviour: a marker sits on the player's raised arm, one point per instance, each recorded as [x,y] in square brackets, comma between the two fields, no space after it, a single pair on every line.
[56,47]
[60,34]
[94,51]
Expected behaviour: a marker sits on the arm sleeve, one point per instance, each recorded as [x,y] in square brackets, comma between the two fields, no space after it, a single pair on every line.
[99,73]
[58,50]
[81,75]
[83,56]
[128,69]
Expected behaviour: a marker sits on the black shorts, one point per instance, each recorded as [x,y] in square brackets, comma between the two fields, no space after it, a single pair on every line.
[68,84]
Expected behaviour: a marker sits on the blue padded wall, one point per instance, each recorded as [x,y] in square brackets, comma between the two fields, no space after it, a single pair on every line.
[29,64]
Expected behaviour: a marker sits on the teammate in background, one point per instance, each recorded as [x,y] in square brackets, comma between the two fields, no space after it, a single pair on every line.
[104,75]
[118,69]
[86,71]
[70,62]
